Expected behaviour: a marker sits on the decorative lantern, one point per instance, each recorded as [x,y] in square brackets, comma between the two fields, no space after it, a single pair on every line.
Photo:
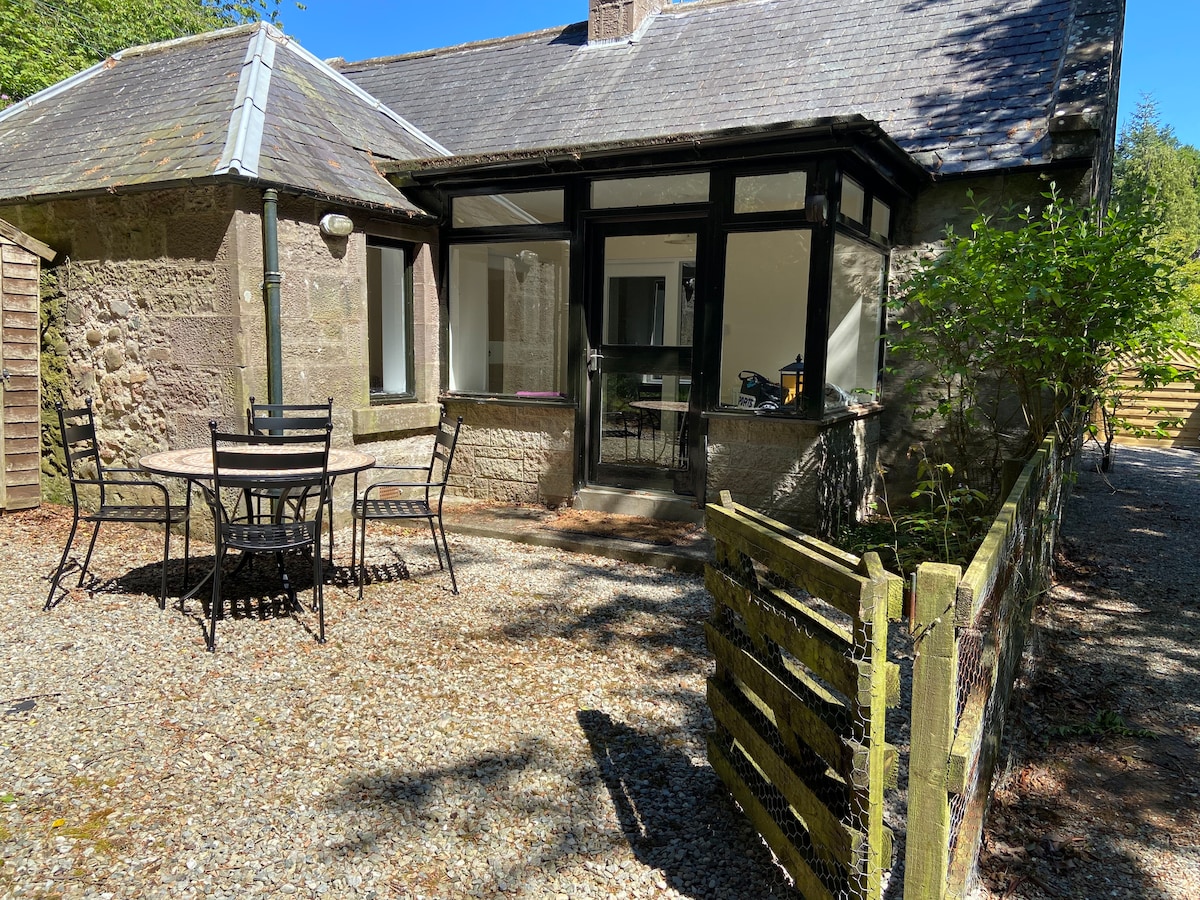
[791,379]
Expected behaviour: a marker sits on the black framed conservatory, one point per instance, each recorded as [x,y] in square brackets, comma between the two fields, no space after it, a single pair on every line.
[705,311]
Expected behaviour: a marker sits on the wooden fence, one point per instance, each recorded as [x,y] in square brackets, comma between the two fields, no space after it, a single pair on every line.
[1177,404]
[799,633]
[969,633]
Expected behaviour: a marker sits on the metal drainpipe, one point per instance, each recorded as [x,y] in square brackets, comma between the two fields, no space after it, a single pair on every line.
[271,280]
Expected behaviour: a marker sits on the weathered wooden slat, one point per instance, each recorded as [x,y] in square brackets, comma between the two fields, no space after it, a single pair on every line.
[964,752]
[17,318]
[14,351]
[820,644]
[22,430]
[870,799]
[21,462]
[808,882]
[21,366]
[26,243]
[935,678]
[22,413]
[19,446]
[804,567]
[796,720]
[23,496]
[829,551]
[17,335]
[21,383]
[988,558]
[21,295]
[826,829]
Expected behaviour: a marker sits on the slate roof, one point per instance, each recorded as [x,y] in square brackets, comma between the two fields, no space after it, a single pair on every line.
[246,103]
[962,85]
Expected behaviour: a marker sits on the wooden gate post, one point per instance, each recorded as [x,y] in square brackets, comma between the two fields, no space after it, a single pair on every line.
[934,702]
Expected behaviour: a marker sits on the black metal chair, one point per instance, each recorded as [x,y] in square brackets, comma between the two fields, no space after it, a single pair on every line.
[86,470]
[286,418]
[383,500]
[291,468]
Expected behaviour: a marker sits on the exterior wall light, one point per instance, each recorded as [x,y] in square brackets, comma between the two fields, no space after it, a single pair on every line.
[336,225]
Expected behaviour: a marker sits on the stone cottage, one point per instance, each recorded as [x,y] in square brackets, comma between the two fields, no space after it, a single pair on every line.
[645,257]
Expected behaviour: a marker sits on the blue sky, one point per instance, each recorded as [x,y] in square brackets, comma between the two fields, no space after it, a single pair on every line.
[1160,56]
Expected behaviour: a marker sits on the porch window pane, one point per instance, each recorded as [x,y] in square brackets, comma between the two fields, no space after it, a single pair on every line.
[854,200]
[516,208]
[508,317]
[881,220]
[856,303]
[653,190]
[769,193]
[766,305]
[389,320]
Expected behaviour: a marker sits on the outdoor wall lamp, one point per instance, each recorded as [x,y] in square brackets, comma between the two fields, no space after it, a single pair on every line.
[336,225]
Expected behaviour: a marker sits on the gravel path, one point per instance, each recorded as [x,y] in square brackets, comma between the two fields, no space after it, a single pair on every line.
[539,735]
[1102,797]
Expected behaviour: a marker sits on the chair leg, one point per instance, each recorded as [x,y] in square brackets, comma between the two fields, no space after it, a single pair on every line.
[329,511]
[449,562]
[362,559]
[162,595]
[436,547]
[319,595]
[91,546]
[62,563]
[214,604]
[187,541]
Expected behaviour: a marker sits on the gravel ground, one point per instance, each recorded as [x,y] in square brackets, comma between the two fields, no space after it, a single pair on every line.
[1102,794]
[539,735]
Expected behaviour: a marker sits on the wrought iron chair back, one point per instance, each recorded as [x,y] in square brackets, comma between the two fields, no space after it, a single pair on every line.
[289,418]
[291,468]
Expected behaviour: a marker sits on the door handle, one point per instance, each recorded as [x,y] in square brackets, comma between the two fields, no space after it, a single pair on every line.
[593,362]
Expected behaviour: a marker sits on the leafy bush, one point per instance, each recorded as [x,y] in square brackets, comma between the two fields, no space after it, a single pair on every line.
[1015,327]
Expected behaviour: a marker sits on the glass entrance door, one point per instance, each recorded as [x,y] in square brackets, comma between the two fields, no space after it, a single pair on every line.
[640,362]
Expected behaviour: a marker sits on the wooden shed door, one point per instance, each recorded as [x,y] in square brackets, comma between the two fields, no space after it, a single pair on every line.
[20,389]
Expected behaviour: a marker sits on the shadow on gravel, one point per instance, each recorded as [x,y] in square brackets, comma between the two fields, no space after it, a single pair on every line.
[675,817]
[678,818]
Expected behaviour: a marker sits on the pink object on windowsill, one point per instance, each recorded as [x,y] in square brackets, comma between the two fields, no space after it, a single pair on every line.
[541,395]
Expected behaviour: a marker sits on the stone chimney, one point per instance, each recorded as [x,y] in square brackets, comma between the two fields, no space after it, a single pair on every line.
[611,20]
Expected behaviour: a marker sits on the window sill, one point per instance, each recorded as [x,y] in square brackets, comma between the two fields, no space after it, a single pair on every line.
[380,420]
[508,400]
[831,417]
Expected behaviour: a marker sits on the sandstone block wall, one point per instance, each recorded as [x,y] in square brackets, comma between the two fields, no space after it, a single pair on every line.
[813,476]
[514,453]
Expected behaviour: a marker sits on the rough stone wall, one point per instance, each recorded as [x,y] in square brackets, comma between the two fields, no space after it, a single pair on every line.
[922,231]
[514,453]
[148,325]
[164,325]
[815,477]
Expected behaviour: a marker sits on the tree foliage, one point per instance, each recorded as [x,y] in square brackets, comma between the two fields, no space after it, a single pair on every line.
[1154,172]
[1016,325]
[1153,169]
[45,41]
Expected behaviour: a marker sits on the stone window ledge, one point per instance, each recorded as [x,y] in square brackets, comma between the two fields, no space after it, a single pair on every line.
[374,422]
